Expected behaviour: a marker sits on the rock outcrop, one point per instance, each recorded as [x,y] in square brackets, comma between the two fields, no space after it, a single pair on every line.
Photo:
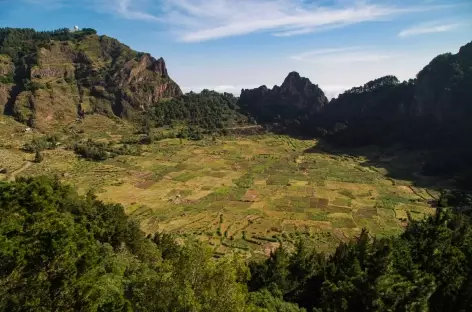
[95,73]
[434,108]
[296,98]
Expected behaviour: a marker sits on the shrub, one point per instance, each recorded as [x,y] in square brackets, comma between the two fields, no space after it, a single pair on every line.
[99,151]
[92,150]
[41,143]
[38,158]
[7,79]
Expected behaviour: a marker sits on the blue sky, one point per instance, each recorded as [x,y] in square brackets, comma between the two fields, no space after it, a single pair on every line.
[232,44]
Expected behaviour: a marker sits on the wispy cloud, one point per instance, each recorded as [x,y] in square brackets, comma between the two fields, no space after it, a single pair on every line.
[343,55]
[428,28]
[127,9]
[309,54]
[201,20]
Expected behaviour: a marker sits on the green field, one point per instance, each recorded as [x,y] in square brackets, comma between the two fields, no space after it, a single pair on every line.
[239,194]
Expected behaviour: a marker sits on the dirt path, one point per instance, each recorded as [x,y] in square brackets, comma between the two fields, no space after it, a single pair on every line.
[17,172]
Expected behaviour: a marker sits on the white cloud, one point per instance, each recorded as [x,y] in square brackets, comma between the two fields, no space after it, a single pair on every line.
[127,9]
[343,55]
[201,20]
[428,28]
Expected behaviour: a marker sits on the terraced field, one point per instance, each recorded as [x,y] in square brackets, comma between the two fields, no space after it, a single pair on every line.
[245,194]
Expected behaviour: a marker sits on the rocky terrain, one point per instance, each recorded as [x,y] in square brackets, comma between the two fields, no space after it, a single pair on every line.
[48,79]
[296,98]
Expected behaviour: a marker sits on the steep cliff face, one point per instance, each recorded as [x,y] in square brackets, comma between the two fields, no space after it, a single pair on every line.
[67,73]
[296,98]
[142,82]
[7,70]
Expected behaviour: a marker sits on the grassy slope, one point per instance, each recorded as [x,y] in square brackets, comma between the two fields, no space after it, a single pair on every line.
[239,194]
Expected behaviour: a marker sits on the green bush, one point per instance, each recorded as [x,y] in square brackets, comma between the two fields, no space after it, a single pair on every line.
[92,150]
[41,143]
[98,151]
[7,79]
[38,158]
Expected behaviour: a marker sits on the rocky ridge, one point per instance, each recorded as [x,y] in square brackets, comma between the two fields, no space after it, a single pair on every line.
[81,73]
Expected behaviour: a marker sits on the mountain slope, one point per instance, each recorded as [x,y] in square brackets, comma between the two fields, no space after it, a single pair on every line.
[432,111]
[50,77]
[384,110]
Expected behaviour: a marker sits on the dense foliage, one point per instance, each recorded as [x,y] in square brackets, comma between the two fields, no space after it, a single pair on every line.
[98,151]
[63,252]
[428,268]
[42,143]
[208,110]
[20,43]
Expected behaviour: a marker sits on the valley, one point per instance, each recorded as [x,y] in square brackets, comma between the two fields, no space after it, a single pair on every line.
[118,192]
[242,194]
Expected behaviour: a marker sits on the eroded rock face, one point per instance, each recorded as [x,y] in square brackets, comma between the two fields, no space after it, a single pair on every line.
[7,70]
[97,74]
[296,97]
[144,82]
[5,91]
[6,66]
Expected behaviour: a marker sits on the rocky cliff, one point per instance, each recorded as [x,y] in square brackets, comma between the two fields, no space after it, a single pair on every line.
[50,78]
[434,108]
[296,98]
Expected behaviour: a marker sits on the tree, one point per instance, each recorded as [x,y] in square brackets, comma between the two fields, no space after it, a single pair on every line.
[38,158]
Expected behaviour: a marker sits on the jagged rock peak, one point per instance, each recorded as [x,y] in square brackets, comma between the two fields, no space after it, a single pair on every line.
[293,77]
[158,66]
[296,97]
[295,83]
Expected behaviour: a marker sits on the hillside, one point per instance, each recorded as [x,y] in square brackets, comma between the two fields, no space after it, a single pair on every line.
[439,97]
[49,78]
[431,111]
[182,210]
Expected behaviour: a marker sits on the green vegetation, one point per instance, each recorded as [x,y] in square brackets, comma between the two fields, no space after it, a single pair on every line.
[323,227]
[427,268]
[20,43]
[63,252]
[208,110]
[7,79]
[82,71]
[98,151]
[383,112]
[38,158]
[42,143]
